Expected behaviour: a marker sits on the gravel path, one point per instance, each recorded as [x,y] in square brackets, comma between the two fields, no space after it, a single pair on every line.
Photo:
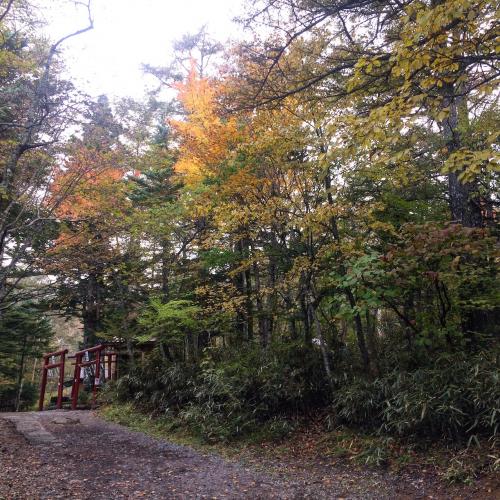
[74,454]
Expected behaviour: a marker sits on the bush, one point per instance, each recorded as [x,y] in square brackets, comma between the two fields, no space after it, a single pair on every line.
[158,387]
[251,391]
[8,393]
[359,402]
[457,398]
[231,393]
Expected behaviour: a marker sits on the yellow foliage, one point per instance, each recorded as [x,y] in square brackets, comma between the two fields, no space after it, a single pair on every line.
[205,137]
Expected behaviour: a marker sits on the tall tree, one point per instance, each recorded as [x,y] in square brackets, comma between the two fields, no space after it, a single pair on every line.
[37,106]
[393,65]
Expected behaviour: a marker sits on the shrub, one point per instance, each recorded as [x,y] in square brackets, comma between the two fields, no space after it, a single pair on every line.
[359,402]
[231,393]
[157,387]
[457,398]
[8,396]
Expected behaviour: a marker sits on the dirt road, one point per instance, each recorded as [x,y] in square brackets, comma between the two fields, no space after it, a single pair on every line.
[64,454]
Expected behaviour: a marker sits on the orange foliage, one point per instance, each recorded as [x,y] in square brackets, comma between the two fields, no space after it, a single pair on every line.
[94,184]
[206,139]
[97,199]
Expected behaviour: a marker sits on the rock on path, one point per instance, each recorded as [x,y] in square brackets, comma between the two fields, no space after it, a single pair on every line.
[30,426]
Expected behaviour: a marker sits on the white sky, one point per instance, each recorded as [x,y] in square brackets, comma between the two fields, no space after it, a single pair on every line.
[127,33]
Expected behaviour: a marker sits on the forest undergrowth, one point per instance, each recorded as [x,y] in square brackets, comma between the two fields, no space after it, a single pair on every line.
[441,418]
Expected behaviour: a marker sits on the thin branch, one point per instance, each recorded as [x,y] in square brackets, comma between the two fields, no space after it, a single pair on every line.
[6,11]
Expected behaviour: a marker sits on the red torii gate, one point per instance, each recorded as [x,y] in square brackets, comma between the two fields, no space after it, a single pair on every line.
[109,359]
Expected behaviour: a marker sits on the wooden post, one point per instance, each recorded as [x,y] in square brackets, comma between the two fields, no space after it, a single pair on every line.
[110,361]
[79,364]
[43,385]
[60,385]
[76,382]
[97,376]
[49,366]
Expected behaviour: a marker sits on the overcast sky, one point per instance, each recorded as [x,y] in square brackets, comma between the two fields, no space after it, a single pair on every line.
[127,33]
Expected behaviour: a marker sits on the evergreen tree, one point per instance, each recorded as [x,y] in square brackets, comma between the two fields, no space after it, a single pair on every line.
[25,333]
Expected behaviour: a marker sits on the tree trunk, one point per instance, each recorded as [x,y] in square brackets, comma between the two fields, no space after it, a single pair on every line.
[358,323]
[322,344]
[247,279]
[261,313]
[130,352]
[165,271]
[20,375]
[409,312]
[165,352]
[272,278]
[464,201]
[360,335]
[371,338]
[191,348]
[239,283]
[247,286]
[306,319]
[291,316]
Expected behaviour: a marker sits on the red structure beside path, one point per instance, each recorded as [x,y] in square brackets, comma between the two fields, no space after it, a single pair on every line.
[49,366]
[107,360]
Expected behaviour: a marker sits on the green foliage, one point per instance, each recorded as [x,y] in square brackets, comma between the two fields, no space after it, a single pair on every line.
[231,394]
[244,390]
[24,332]
[9,393]
[434,277]
[375,455]
[216,259]
[171,321]
[158,387]
[458,397]
[358,402]
[239,395]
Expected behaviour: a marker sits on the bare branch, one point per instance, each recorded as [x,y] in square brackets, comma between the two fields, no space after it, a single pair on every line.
[6,11]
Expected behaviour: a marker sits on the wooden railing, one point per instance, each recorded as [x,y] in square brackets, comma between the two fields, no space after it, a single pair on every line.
[107,360]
